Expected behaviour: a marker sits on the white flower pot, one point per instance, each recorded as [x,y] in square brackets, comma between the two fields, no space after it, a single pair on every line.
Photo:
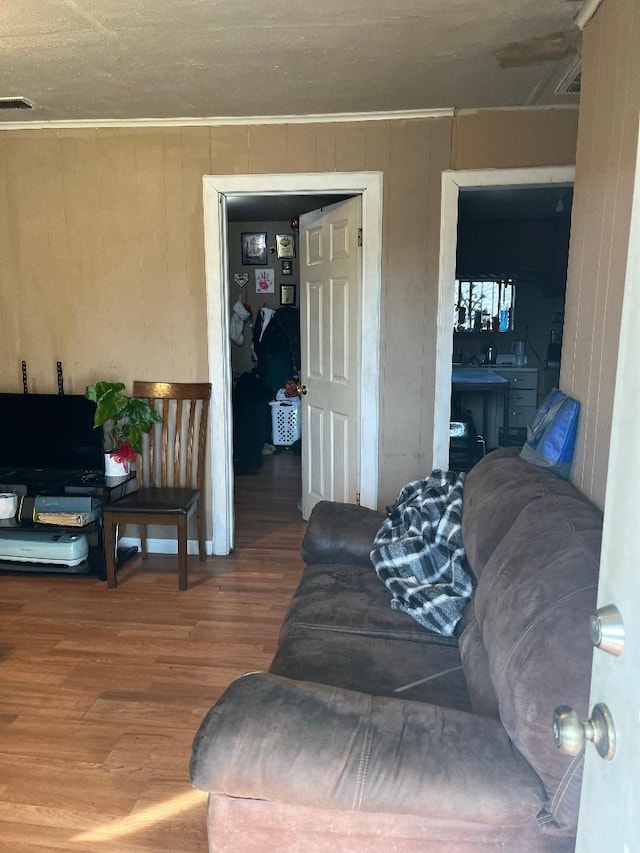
[113,468]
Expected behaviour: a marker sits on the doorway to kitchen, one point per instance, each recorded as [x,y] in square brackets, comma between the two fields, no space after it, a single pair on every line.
[477,186]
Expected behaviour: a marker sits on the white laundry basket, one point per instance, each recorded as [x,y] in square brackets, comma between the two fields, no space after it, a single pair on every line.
[285,421]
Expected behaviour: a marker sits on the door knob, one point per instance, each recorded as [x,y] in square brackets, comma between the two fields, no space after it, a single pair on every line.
[571,735]
[301,390]
[607,630]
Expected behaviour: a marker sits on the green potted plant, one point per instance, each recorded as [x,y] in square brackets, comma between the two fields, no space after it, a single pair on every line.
[125,420]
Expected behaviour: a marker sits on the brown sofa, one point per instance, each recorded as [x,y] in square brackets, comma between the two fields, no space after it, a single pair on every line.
[369,733]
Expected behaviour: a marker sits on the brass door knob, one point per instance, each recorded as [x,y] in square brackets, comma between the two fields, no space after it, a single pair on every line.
[301,391]
[570,734]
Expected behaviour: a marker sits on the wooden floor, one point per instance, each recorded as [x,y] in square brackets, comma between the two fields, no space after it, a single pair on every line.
[101,691]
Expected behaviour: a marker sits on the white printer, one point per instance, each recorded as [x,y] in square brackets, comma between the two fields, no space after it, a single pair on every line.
[58,549]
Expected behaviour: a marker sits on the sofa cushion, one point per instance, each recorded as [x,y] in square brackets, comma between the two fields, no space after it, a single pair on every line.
[532,605]
[296,742]
[495,491]
[340,533]
[340,630]
[352,599]
[379,666]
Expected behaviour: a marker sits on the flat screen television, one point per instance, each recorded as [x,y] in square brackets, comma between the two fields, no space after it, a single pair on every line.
[49,432]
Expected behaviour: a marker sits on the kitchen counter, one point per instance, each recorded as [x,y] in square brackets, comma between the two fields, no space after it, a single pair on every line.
[476,376]
[486,381]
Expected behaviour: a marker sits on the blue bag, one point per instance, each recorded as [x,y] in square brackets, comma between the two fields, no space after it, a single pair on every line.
[551,434]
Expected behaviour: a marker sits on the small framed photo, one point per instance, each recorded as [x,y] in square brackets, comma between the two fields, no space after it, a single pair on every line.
[254,247]
[287,268]
[285,245]
[287,294]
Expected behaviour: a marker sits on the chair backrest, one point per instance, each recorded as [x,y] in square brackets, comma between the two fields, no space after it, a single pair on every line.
[173,453]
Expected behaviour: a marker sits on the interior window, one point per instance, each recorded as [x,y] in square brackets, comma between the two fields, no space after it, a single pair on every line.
[485,305]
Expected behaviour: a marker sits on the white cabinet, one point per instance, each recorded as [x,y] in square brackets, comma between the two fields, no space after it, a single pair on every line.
[523,400]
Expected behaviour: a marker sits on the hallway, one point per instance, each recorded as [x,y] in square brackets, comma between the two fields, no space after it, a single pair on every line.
[266,504]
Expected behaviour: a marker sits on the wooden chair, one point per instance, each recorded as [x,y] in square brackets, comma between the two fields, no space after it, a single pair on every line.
[169,473]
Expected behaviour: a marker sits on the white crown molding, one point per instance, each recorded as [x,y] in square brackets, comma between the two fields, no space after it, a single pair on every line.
[325,118]
[470,111]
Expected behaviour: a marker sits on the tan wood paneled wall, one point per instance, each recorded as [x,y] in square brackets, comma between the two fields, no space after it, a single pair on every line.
[102,241]
[511,139]
[607,143]
[101,237]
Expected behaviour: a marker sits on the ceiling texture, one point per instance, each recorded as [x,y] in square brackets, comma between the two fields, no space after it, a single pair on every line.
[112,61]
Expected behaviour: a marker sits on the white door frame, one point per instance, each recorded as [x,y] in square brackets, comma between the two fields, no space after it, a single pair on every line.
[452,183]
[216,188]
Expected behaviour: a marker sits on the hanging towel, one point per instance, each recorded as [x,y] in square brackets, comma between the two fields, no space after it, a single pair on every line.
[240,313]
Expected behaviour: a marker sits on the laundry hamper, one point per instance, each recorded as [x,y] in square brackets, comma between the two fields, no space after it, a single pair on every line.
[285,422]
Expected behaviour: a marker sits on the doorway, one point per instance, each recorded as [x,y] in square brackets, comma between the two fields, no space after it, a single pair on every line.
[217,190]
[264,330]
[453,183]
[266,303]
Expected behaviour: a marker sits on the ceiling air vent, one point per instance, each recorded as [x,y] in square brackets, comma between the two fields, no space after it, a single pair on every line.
[570,83]
[15,104]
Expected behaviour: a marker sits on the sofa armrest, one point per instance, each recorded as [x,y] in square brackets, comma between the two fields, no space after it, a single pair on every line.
[276,739]
[340,533]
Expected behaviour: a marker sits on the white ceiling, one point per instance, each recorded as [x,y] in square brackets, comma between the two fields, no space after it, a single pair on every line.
[100,60]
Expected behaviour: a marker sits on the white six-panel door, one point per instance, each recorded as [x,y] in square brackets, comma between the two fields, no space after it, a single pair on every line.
[330,265]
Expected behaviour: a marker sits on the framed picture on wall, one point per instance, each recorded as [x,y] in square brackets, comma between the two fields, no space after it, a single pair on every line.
[265,281]
[285,245]
[287,268]
[254,247]
[287,294]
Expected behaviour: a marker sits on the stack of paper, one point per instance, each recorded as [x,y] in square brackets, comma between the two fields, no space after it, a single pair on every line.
[66,510]
[68,519]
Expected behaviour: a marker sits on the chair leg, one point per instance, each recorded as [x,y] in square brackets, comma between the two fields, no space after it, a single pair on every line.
[202,533]
[182,552]
[143,541]
[110,541]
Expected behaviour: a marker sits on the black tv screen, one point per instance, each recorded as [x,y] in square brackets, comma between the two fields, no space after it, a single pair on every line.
[49,431]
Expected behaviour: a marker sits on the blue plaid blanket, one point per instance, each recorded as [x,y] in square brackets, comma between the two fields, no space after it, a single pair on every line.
[418,552]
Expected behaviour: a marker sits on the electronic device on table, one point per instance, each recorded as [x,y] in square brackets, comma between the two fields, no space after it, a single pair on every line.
[48,447]
[66,550]
[48,441]
[52,461]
